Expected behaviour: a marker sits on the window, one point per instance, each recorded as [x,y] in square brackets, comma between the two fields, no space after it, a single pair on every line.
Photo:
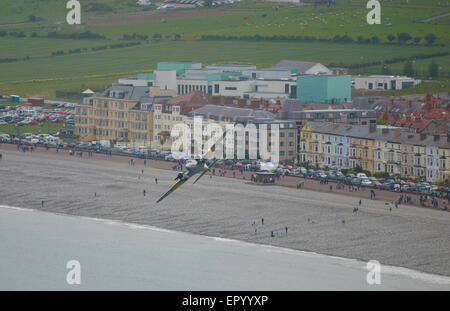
[230,88]
[216,88]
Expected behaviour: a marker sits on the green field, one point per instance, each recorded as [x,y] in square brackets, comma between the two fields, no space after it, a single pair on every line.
[44,73]
[420,67]
[437,86]
[18,11]
[320,22]
[41,128]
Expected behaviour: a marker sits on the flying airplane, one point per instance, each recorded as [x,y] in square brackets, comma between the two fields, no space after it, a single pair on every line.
[193,166]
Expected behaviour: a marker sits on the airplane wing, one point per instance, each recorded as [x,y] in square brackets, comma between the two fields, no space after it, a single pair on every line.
[190,174]
[174,187]
[206,170]
[213,147]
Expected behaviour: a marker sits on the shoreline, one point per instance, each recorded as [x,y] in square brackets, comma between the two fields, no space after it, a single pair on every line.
[390,270]
[285,181]
[225,208]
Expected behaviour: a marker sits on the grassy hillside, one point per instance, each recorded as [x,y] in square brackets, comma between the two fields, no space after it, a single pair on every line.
[32,63]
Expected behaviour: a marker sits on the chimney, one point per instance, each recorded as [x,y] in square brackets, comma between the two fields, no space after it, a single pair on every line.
[437,137]
[372,127]
[397,132]
[409,103]
[384,131]
[423,136]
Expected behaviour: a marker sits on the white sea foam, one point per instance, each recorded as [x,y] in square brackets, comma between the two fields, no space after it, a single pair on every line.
[348,262]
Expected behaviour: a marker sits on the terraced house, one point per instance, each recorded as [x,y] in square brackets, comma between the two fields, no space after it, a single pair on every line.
[247,117]
[394,151]
[121,113]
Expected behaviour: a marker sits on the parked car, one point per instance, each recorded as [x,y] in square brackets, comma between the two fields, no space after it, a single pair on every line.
[387,186]
[349,177]
[376,184]
[355,181]
[366,182]
[332,176]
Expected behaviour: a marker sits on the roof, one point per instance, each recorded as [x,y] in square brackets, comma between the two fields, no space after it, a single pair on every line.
[302,67]
[389,135]
[418,124]
[188,102]
[329,114]
[88,91]
[228,113]
[130,92]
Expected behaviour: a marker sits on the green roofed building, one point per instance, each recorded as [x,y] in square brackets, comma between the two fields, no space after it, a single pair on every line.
[146,76]
[179,67]
[324,89]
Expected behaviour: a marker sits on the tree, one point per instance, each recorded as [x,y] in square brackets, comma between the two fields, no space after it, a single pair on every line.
[417,39]
[403,37]
[430,38]
[32,18]
[391,38]
[375,40]
[157,36]
[433,69]
[408,69]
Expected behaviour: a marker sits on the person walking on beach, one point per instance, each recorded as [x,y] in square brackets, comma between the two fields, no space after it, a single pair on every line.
[144,192]
[156,180]
[262,221]
[360,202]
[42,204]
[286,230]
[145,162]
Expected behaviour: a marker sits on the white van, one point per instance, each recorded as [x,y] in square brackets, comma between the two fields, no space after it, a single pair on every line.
[361,175]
